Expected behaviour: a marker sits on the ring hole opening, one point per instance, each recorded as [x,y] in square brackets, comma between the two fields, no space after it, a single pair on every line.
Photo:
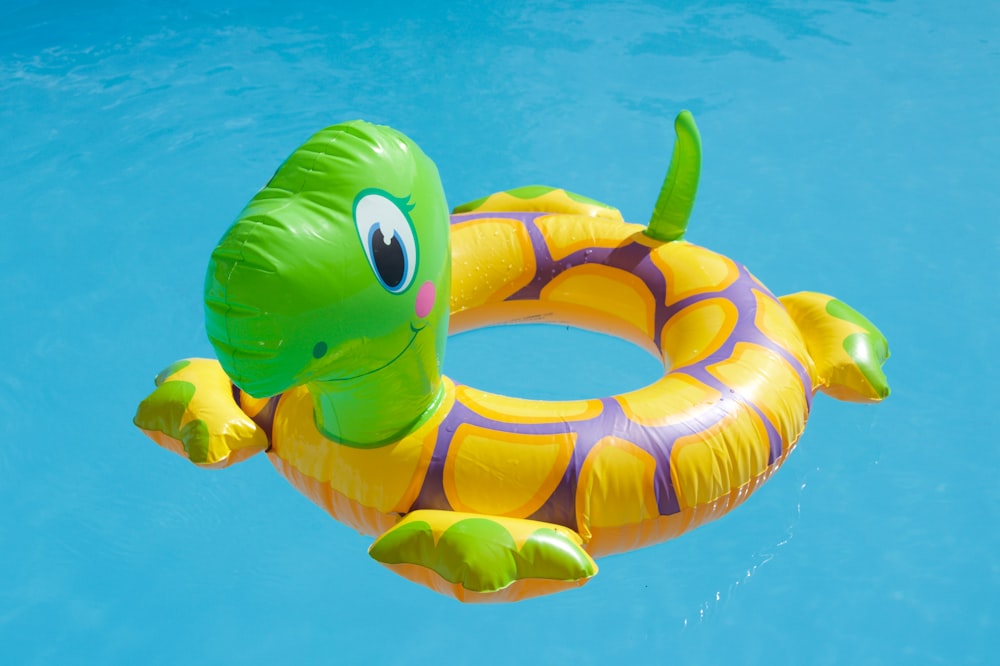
[548,362]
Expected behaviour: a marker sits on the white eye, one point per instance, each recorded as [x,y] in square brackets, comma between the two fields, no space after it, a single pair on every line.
[387,236]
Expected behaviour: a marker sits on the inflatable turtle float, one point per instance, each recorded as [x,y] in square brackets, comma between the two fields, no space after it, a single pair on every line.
[329,301]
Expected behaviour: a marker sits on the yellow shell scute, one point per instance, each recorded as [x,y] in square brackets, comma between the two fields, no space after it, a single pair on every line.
[776,323]
[480,275]
[713,462]
[768,381]
[566,234]
[532,468]
[674,398]
[691,270]
[697,331]
[514,410]
[612,291]
[615,486]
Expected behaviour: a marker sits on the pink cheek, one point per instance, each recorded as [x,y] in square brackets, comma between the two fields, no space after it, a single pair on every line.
[425,299]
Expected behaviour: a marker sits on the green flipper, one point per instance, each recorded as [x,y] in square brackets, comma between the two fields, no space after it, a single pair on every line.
[192,412]
[483,554]
[846,348]
[680,187]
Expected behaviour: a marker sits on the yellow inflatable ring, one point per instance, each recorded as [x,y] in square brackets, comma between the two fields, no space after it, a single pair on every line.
[481,496]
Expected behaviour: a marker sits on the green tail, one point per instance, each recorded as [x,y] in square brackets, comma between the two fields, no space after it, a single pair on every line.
[673,206]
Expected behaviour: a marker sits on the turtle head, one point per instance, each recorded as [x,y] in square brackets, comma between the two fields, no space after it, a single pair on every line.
[338,269]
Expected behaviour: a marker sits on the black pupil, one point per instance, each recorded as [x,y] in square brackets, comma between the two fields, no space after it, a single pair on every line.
[390,263]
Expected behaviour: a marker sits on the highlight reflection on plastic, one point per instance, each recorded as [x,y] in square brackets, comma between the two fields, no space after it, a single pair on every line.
[328,304]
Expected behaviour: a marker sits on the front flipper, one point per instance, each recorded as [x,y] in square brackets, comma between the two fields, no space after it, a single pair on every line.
[193,413]
[474,557]
[847,350]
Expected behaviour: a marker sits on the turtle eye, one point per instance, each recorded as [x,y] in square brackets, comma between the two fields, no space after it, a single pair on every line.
[386,235]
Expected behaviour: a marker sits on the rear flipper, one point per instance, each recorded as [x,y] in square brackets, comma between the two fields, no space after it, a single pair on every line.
[847,350]
[484,558]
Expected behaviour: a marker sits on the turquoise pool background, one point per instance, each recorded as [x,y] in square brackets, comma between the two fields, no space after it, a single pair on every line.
[849,147]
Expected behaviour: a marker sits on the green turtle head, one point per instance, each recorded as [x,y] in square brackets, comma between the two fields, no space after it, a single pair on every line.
[338,269]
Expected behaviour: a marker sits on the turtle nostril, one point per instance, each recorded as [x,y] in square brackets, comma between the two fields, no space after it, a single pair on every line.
[319,351]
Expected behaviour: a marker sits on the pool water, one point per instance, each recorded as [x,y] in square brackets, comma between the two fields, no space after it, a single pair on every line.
[849,147]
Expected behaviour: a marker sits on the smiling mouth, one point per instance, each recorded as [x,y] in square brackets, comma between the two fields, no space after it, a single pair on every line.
[384,365]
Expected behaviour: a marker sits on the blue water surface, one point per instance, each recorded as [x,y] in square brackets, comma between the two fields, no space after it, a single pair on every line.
[850,147]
